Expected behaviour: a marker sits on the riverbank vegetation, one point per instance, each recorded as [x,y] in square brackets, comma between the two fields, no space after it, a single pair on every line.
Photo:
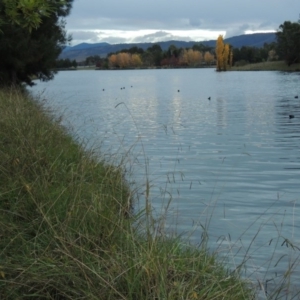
[68,229]
[267,66]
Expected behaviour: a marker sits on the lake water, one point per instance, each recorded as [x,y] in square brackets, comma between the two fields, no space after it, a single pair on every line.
[231,163]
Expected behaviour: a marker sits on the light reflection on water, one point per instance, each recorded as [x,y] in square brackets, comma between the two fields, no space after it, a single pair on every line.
[235,156]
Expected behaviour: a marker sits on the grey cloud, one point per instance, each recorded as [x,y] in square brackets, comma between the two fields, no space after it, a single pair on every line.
[113,40]
[195,23]
[158,36]
[238,30]
[230,16]
[84,35]
[265,24]
[268,25]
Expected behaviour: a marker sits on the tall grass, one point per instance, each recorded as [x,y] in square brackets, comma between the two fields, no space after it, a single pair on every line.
[68,229]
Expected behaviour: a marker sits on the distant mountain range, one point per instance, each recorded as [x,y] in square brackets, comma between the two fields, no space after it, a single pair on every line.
[82,51]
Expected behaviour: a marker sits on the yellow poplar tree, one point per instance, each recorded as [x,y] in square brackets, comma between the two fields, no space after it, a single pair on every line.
[194,57]
[222,53]
[198,57]
[183,60]
[136,60]
[112,60]
[190,57]
[123,59]
[208,58]
[219,53]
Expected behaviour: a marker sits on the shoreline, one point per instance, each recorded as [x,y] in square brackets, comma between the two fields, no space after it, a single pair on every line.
[268,66]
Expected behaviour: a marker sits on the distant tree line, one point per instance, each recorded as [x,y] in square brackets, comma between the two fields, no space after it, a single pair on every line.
[286,47]
[197,56]
[66,64]
[154,56]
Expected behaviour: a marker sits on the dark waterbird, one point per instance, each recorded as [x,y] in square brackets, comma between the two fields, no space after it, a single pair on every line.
[208,98]
[291,116]
[296,97]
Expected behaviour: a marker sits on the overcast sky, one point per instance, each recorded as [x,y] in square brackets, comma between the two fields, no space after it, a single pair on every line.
[136,21]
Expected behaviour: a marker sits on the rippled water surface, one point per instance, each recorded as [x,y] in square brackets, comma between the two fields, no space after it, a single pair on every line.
[235,157]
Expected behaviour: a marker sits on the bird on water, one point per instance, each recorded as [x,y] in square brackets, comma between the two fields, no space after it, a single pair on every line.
[296,97]
[291,116]
[208,98]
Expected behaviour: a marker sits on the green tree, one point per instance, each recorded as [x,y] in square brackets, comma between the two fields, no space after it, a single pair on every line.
[202,48]
[92,60]
[134,50]
[288,42]
[248,54]
[25,13]
[74,64]
[173,51]
[65,63]
[157,54]
[30,48]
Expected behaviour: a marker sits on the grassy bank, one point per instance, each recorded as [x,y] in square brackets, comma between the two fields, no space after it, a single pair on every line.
[268,66]
[66,224]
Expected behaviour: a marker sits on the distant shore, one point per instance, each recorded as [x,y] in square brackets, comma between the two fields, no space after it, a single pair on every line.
[268,66]
[262,66]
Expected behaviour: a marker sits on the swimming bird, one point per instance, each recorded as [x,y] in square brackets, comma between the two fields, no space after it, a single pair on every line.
[291,116]
[296,97]
[178,91]
[208,98]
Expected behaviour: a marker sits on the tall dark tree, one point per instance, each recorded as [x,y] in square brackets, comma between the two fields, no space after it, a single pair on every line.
[31,52]
[288,41]
[156,52]
[92,60]
[202,48]
[173,51]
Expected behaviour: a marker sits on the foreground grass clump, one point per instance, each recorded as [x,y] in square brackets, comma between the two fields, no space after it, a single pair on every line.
[66,227]
[268,66]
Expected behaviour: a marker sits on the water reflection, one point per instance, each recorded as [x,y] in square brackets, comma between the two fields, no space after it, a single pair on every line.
[221,112]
